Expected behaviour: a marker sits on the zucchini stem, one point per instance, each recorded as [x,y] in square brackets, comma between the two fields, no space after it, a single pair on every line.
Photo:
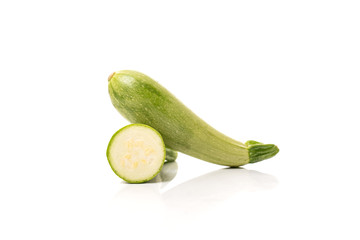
[110,76]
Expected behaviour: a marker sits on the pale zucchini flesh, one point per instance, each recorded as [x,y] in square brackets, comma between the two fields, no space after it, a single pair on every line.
[136,153]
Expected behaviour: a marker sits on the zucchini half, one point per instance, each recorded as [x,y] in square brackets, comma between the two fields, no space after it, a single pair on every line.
[136,153]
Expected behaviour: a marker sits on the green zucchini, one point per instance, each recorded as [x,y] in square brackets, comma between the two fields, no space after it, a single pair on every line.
[140,99]
[136,153]
[171,155]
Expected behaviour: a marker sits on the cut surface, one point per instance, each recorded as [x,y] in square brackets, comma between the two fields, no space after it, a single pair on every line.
[136,153]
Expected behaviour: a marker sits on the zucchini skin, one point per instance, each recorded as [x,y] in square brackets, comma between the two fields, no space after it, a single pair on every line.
[140,99]
[171,155]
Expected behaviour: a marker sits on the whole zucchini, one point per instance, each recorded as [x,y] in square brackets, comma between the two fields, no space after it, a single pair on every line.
[140,99]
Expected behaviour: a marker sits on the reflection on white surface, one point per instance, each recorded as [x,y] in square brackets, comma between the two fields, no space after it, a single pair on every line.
[202,193]
[167,173]
[144,199]
[195,194]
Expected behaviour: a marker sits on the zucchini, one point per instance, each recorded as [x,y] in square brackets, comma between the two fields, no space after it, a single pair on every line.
[140,99]
[136,153]
[171,155]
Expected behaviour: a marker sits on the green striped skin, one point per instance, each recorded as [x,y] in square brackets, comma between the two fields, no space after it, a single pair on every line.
[171,155]
[140,99]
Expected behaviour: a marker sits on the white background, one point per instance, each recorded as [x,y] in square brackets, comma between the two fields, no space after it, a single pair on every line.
[282,72]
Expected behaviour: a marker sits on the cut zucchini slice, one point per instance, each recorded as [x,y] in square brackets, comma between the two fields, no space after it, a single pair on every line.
[136,153]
